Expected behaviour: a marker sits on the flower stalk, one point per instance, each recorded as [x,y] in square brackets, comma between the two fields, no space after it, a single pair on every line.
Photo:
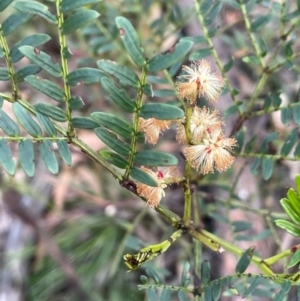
[135,130]
[65,71]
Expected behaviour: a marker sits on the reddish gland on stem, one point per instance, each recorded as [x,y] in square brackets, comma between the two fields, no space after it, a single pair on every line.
[160,175]
[294,248]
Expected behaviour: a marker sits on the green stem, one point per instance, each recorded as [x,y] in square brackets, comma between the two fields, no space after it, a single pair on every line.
[11,70]
[196,243]
[274,157]
[251,34]
[259,262]
[170,80]
[258,88]
[164,286]
[282,15]
[270,110]
[64,64]
[207,241]
[175,180]
[272,260]
[96,157]
[187,197]
[135,126]
[274,278]
[283,38]
[281,30]
[280,64]
[169,215]
[36,139]
[188,169]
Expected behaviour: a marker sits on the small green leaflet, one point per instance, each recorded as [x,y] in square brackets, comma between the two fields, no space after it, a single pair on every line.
[48,156]
[84,123]
[267,168]
[4,4]
[111,140]
[84,76]
[154,158]
[26,120]
[118,95]
[67,5]
[161,111]
[80,19]
[14,21]
[47,87]
[64,151]
[200,54]
[76,103]
[113,123]
[26,156]
[36,8]
[26,71]
[47,124]
[42,59]
[244,261]
[6,157]
[32,40]
[205,272]
[163,61]
[124,74]
[131,40]
[51,111]
[142,177]
[295,259]
[4,74]
[8,125]
[113,158]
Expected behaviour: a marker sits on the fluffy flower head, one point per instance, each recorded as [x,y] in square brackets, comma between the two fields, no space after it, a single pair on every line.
[152,128]
[198,80]
[211,153]
[203,122]
[153,195]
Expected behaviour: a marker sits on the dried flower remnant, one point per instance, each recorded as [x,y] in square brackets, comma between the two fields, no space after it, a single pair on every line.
[152,128]
[198,80]
[153,195]
[203,122]
[211,153]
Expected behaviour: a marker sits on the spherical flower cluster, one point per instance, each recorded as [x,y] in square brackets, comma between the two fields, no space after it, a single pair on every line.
[208,149]
[197,81]
[212,152]
[152,128]
[153,195]
[203,122]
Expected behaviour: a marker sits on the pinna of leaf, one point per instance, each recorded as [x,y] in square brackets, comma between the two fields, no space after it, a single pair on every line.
[150,252]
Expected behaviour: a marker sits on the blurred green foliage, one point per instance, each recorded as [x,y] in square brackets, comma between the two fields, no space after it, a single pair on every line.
[90,57]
